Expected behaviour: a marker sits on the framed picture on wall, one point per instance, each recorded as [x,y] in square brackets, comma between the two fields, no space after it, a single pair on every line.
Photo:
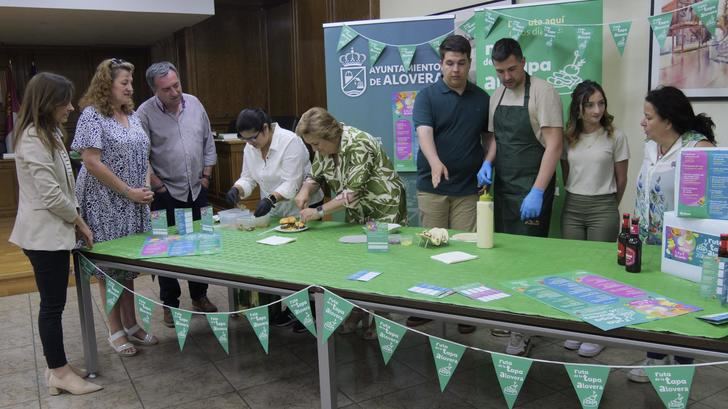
[462,15]
[691,58]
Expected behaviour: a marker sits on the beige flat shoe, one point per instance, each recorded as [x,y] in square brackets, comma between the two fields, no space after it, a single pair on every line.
[71,383]
[148,338]
[125,349]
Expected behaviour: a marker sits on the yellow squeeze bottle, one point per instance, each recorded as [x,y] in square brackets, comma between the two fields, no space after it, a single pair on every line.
[484,221]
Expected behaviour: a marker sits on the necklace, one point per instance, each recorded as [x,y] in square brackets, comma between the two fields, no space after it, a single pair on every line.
[659,148]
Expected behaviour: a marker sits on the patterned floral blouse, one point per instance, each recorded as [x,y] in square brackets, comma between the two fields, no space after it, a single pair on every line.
[656,185]
[365,169]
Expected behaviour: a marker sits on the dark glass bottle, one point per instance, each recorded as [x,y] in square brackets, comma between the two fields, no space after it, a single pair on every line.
[723,249]
[633,256]
[622,240]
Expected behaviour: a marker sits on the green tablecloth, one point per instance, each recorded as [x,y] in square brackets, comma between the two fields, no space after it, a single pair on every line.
[317,257]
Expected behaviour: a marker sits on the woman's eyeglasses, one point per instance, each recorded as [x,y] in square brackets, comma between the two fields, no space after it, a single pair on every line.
[250,138]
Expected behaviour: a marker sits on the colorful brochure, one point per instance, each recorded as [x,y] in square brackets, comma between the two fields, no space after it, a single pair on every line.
[479,292]
[431,290]
[207,221]
[364,275]
[159,222]
[183,221]
[703,184]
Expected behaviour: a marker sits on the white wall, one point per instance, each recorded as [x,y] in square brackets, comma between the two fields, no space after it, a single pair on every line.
[624,77]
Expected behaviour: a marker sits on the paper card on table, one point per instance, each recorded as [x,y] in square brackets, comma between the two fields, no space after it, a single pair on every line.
[145,308]
[159,222]
[206,219]
[183,221]
[447,357]
[181,325]
[154,246]
[336,309]
[113,292]
[431,290]
[511,372]
[219,324]
[661,307]
[452,257]
[480,292]
[377,237]
[672,384]
[301,308]
[258,318]
[209,243]
[182,246]
[363,275]
[276,240]
[588,382]
[717,319]
[390,334]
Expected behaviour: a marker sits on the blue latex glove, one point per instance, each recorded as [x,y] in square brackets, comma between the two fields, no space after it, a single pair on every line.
[485,174]
[531,206]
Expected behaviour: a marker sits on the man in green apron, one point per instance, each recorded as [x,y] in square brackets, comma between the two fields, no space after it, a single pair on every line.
[527,125]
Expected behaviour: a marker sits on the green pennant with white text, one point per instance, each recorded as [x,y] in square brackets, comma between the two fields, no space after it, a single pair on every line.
[549,33]
[490,18]
[300,306]
[87,267]
[347,34]
[672,384]
[113,292]
[145,308]
[620,32]
[181,325]
[258,318]
[511,372]
[407,52]
[447,357]
[468,27]
[707,11]
[336,309]
[435,43]
[390,334]
[517,28]
[588,382]
[660,25]
[219,325]
[375,50]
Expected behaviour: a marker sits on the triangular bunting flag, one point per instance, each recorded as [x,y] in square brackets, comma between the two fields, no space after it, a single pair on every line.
[390,334]
[517,28]
[490,18]
[583,37]
[588,382]
[707,11]
[113,292]
[468,27]
[511,372]
[407,52]
[435,43]
[219,324]
[620,31]
[181,325]
[145,308]
[375,50]
[660,25]
[549,34]
[336,309]
[447,357]
[672,384]
[87,267]
[347,34]
[301,308]
[258,318]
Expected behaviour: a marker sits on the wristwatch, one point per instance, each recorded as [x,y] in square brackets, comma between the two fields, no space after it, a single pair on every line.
[320,211]
[272,199]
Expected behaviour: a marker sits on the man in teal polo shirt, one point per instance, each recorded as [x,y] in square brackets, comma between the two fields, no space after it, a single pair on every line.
[451,118]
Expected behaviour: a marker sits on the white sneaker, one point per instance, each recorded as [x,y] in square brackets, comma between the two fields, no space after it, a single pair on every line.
[572,345]
[519,344]
[639,375]
[589,350]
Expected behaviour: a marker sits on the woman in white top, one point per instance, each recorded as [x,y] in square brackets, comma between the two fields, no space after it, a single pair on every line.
[594,165]
[48,220]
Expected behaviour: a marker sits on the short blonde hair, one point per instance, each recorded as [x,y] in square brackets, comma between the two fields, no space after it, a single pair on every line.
[98,93]
[319,123]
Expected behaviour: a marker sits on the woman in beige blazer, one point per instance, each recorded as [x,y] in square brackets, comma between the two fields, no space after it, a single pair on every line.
[48,223]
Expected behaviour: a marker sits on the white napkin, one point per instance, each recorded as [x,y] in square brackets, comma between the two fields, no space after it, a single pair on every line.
[276,240]
[452,257]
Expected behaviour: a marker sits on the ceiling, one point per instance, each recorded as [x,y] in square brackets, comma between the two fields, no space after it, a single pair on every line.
[54,26]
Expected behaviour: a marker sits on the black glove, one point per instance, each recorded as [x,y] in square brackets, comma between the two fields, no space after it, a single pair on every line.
[265,205]
[232,196]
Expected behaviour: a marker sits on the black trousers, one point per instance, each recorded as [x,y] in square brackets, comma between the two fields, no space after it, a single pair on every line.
[51,270]
[169,289]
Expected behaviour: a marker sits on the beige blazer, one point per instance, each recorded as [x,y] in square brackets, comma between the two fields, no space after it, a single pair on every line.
[47,205]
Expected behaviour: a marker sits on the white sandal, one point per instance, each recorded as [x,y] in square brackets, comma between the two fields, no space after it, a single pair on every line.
[125,349]
[148,339]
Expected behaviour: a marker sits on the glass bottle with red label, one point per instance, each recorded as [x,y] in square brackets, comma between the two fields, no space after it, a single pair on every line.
[622,240]
[633,252]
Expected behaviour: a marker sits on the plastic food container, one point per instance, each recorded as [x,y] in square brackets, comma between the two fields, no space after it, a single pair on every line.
[228,218]
[245,222]
[262,221]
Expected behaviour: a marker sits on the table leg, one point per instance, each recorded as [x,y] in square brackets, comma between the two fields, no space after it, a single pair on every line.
[86,314]
[326,357]
[231,299]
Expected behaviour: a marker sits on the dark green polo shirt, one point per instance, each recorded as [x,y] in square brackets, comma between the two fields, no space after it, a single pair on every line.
[457,121]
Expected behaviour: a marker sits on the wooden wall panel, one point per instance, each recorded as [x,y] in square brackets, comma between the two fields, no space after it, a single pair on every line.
[309,53]
[281,82]
[350,10]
